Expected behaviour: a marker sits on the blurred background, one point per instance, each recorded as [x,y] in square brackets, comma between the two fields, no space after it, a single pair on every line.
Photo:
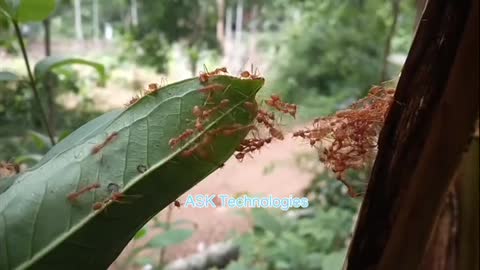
[321,55]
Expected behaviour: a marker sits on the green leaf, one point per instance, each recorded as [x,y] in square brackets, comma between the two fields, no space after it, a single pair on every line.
[176,223]
[266,221]
[9,7]
[41,229]
[47,64]
[35,10]
[41,141]
[141,233]
[334,260]
[27,10]
[7,76]
[170,237]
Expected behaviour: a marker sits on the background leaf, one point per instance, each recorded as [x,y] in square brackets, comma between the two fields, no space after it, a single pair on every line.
[170,237]
[35,10]
[28,10]
[47,64]
[7,76]
[141,233]
[9,7]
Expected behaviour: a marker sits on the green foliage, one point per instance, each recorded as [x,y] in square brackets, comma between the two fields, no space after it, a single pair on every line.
[187,21]
[172,234]
[27,10]
[170,237]
[142,134]
[152,49]
[329,52]
[307,243]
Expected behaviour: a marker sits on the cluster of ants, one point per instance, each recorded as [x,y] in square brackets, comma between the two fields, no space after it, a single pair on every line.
[348,139]
[266,120]
[203,114]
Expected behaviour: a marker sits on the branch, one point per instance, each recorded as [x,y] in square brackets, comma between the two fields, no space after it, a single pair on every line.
[32,83]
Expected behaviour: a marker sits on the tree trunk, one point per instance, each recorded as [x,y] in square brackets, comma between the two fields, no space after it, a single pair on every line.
[77,5]
[134,13]
[221,24]
[95,20]
[421,145]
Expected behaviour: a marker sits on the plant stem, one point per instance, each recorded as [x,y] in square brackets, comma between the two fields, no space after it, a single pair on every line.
[32,82]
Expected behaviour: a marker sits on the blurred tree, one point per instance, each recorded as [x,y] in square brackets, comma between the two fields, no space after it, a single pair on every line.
[334,48]
[163,22]
[77,5]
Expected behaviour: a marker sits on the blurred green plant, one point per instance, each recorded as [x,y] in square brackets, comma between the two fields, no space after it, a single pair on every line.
[173,233]
[20,106]
[280,242]
[189,22]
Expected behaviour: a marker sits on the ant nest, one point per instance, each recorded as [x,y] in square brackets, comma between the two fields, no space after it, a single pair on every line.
[348,139]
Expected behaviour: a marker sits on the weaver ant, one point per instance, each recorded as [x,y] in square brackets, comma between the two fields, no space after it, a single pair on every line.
[177,203]
[187,133]
[72,197]
[252,107]
[250,145]
[204,76]
[250,75]
[108,140]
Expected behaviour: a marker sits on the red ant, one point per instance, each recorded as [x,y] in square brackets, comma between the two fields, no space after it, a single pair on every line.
[252,107]
[98,206]
[132,101]
[250,75]
[108,140]
[276,103]
[199,125]
[276,133]
[207,113]
[72,197]
[152,87]
[245,74]
[211,89]
[240,156]
[197,111]
[177,203]
[189,152]
[250,145]
[174,141]
[300,133]
[203,77]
